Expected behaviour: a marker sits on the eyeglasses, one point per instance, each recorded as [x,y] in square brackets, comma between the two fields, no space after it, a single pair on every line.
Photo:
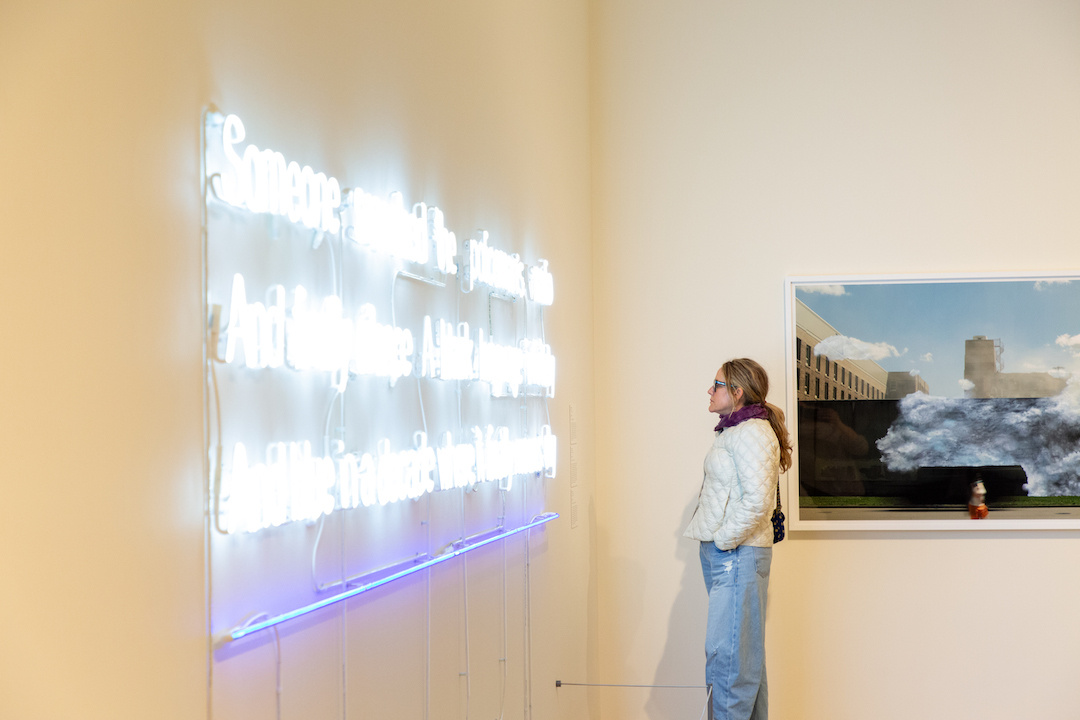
[717,384]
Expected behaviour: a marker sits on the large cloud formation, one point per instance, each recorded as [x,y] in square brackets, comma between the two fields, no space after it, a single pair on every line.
[1040,435]
[841,347]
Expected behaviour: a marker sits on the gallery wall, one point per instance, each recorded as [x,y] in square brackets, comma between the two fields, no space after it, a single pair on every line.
[741,142]
[479,108]
[674,162]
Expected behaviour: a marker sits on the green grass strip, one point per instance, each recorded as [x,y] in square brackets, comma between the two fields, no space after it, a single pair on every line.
[851,501]
[1018,501]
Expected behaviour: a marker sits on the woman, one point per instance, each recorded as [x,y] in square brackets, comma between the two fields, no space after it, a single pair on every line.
[733,521]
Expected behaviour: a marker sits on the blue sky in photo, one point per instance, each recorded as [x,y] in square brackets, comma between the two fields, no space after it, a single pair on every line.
[928,322]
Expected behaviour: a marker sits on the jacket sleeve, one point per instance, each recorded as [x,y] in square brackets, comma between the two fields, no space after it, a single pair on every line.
[756,455]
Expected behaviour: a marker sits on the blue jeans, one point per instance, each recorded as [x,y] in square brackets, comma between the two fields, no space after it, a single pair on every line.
[738,583]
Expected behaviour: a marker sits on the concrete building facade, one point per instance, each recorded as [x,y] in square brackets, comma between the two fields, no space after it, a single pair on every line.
[983,368]
[817,377]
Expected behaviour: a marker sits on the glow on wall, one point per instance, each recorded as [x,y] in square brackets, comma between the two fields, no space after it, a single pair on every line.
[359,355]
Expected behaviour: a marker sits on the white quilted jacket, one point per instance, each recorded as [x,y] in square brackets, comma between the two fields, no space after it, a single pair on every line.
[738,495]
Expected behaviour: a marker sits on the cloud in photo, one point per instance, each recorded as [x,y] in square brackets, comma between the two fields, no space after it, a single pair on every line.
[1042,358]
[1070,342]
[1041,435]
[824,289]
[928,357]
[966,384]
[841,347]
[1044,284]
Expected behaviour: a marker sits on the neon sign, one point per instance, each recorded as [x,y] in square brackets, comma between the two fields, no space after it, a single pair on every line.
[288,328]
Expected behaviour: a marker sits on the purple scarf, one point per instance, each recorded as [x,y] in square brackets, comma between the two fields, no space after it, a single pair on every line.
[747,412]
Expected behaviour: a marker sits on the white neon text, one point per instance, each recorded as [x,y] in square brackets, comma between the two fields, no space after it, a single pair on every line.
[446,354]
[495,268]
[386,226]
[314,338]
[263,182]
[541,284]
[539,365]
[292,485]
[445,243]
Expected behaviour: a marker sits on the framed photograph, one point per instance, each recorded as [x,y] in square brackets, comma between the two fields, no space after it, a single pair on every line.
[934,402]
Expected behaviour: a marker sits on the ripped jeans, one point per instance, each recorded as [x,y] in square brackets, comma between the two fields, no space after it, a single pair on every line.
[738,583]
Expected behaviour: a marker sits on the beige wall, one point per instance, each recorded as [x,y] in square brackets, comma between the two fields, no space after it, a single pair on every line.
[478,107]
[730,143]
[739,142]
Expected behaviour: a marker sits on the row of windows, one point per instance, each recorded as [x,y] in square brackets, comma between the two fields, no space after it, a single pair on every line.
[839,374]
[838,393]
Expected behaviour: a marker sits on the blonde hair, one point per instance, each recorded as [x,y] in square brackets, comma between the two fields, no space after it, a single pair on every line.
[747,375]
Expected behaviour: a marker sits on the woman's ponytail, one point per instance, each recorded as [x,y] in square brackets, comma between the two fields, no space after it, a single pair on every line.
[751,377]
[776,420]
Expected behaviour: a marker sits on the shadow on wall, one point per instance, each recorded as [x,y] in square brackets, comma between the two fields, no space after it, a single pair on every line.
[683,658]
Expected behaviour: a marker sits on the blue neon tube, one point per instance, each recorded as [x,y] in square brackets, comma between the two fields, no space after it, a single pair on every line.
[240,632]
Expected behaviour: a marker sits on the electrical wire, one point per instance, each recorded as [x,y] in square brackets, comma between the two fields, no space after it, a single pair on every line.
[336,286]
[338,272]
[708,701]
[468,667]
[543,339]
[277,644]
[465,605]
[707,688]
[337,280]
[561,683]
[527,589]
[314,553]
[320,587]
[427,662]
[393,301]
[217,470]
[208,594]
[527,627]
[461,431]
[344,651]
[420,396]
[277,674]
[505,632]
[427,548]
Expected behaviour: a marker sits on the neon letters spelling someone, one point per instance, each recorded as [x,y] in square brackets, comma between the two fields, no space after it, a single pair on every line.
[263,182]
